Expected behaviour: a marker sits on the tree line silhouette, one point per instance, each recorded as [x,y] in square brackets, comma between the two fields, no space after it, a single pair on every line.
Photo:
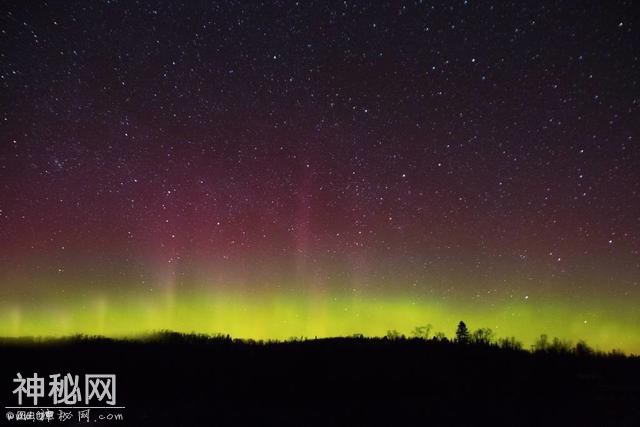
[486,337]
[170,378]
[481,337]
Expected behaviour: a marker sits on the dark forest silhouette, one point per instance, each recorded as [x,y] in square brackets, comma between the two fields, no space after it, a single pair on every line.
[426,378]
[486,337]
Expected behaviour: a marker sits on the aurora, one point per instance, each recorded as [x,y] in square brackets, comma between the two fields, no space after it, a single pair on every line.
[319,170]
[278,316]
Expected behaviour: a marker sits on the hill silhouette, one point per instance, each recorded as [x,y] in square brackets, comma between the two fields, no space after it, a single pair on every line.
[177,379]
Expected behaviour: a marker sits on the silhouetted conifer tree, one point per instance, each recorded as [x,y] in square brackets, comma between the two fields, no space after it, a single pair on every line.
[462,333]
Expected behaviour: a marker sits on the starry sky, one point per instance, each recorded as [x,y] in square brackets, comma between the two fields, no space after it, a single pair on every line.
[320,168]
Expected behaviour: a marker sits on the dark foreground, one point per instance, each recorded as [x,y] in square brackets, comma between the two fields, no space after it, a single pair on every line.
[184,380]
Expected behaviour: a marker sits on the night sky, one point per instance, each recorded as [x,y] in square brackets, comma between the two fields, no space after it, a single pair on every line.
[320,168]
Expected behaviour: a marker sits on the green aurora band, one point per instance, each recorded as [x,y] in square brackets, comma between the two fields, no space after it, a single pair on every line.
[269,315]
